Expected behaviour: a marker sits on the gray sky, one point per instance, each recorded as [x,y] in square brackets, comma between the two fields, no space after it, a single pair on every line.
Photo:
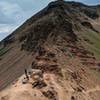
[14,12]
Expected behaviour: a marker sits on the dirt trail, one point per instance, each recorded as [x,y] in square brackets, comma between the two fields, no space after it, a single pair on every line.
[26,92]
[97,88]
[59,89]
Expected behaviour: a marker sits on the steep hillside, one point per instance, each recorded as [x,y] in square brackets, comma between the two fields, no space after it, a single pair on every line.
[62,41]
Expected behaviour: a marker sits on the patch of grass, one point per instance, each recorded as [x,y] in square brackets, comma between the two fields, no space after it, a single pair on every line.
[4,51]
[95,39]
[97,74]
[1,49]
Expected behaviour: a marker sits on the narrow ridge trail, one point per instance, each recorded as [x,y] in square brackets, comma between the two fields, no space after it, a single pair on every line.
[97,88]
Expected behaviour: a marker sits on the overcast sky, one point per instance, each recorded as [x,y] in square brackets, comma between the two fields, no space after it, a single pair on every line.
[14,12]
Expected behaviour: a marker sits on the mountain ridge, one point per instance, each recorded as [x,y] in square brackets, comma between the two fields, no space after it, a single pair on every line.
[66,2]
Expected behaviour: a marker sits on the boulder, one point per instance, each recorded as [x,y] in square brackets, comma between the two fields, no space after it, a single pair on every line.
[25,81]
[39,84]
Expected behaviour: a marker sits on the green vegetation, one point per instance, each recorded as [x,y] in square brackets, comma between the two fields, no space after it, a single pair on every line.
[96,74]
[95,39]
[4,51]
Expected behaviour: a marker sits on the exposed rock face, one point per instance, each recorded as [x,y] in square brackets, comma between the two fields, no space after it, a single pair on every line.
[89,25]
[52,95]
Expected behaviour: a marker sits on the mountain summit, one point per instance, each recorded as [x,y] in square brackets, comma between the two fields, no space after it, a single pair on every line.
[62,40]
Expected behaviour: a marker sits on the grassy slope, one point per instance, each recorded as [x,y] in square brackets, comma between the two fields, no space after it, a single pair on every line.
[4,51]
[94,38]
[94,47]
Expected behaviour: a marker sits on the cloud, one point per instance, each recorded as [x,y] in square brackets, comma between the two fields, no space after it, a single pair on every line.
[11,11]
[11,16]
[4,28]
